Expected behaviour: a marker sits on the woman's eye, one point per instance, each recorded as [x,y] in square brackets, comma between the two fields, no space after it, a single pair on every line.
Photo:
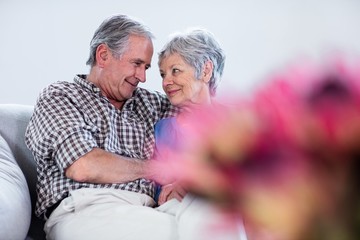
[175,70]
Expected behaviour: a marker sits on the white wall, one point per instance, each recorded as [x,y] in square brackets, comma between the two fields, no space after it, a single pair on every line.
[45,41]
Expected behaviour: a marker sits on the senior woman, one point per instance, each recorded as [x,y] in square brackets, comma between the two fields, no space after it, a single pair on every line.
[191,65]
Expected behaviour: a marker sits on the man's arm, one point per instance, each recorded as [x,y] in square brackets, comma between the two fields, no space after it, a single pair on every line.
[99,166]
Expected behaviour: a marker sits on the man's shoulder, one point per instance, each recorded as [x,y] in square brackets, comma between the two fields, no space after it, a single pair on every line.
[58,87]
[151,100]
[143,92]
[142,95]
[61,91]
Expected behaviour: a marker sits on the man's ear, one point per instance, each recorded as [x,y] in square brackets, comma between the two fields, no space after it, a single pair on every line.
[102,54]
[207,71]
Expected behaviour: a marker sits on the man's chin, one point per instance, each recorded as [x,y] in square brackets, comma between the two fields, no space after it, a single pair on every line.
[130,92]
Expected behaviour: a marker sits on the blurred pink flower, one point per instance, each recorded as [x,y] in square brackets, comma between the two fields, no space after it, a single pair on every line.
[286,159]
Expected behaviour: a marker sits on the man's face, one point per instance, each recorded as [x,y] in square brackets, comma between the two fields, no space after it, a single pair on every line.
[121,76]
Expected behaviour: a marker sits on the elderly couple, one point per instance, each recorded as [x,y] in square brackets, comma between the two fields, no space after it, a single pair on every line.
[93,139]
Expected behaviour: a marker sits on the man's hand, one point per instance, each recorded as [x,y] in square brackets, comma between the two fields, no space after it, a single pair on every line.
[171,191]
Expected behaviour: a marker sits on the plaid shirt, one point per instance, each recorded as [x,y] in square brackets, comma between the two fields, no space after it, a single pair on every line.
[70,119]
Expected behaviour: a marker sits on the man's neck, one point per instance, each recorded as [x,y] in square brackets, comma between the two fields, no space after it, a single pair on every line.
[117,104]
[93,77]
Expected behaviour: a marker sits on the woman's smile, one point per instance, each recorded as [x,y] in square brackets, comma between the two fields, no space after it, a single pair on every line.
[172,92]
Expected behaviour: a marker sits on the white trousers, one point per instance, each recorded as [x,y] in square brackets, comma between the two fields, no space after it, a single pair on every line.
[108,214]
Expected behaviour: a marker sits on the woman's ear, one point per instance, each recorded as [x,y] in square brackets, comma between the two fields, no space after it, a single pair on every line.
[102,52]
[207,71]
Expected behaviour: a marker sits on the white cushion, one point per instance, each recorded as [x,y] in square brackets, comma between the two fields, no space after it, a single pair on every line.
[15,204]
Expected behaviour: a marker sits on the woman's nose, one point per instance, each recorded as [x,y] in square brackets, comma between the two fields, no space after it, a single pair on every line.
[167,80]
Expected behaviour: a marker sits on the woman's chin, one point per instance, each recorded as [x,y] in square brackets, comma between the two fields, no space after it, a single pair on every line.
[176,102]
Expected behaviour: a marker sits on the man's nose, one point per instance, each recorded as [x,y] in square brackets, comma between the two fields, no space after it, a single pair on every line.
[141,74]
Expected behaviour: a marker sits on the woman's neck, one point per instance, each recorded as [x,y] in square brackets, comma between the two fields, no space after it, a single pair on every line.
[196,104]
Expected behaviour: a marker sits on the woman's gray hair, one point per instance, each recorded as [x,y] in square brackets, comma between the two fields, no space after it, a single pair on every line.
[115,32]
[196,47]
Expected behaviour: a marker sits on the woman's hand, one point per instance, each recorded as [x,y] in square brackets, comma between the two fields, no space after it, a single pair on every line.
[171,191]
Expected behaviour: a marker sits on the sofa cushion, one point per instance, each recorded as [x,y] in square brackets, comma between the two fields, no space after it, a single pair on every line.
[15,204]
[14,119]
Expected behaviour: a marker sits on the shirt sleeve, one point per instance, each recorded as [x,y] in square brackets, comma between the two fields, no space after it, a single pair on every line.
[161,105]
[167,110]
[59,130]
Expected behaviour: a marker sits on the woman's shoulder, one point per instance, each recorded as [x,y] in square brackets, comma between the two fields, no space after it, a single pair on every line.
[165,123]
[166,135]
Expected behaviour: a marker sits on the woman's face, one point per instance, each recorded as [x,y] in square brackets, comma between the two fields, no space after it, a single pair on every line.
[180,84]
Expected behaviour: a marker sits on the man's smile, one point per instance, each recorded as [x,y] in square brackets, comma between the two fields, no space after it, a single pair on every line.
[132,84]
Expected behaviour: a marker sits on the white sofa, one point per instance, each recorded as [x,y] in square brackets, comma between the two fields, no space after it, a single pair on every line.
[17,177]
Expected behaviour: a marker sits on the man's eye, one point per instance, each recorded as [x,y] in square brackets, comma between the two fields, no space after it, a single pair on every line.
[162,75]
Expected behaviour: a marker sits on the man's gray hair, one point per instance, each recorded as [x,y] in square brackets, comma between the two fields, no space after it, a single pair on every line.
[196,47]
[115,32]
